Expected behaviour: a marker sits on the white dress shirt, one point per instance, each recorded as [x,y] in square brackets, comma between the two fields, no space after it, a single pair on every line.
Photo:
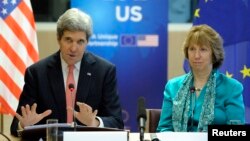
[76,72]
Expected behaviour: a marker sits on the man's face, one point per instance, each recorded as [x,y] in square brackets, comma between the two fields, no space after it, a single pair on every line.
[73,45]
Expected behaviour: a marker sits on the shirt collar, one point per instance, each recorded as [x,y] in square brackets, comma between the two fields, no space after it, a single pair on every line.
[65,65]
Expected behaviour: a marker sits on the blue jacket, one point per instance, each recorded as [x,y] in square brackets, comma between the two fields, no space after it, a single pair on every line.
[229,105]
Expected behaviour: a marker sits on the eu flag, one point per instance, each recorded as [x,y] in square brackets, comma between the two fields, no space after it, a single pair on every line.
[231,18]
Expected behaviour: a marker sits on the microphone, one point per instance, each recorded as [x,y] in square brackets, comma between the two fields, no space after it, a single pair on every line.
[141,116]
[192,101]
[192,89]
[72,88]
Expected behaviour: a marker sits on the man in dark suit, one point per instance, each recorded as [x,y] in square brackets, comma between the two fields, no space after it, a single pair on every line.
[94,96]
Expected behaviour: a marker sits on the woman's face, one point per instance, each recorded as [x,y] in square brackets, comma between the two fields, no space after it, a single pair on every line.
[200,58]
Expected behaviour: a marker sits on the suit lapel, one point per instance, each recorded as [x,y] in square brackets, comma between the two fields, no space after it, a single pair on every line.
[85,77]
[57,83]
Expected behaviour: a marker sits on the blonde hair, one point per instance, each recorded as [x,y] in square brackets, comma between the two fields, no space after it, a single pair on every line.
[205,35]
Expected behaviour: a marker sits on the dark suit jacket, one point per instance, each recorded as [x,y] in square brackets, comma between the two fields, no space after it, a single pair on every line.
[97,87]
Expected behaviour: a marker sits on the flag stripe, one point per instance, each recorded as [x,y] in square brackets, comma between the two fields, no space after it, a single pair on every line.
[10,83]
[18,50]
[8,96]
[16,60]
[10,71]
[5,108]
[23,38]
[27,12]
[15,44]
[25,24]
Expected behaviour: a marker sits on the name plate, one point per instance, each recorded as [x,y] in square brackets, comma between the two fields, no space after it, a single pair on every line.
[182,136]
[96,136]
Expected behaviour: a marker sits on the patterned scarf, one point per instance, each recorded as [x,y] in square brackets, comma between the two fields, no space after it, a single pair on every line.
[181,105]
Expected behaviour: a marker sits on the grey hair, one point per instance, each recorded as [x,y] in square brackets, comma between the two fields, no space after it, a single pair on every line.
[74,20]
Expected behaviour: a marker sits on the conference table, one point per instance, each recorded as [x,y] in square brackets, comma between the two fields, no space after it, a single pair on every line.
[133,136]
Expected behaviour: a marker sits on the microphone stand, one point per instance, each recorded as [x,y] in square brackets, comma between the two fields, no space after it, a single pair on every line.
[74,117]
[142,120]
[154,137]
[72,88]
[193,99]
[141,117]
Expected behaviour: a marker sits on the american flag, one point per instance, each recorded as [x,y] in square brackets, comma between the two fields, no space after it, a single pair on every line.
[18,50]
[148,40]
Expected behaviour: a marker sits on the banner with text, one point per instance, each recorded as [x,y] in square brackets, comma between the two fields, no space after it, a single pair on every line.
[132,34]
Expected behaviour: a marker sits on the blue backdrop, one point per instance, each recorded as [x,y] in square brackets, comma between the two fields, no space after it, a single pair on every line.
[231,18]
[133,35]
